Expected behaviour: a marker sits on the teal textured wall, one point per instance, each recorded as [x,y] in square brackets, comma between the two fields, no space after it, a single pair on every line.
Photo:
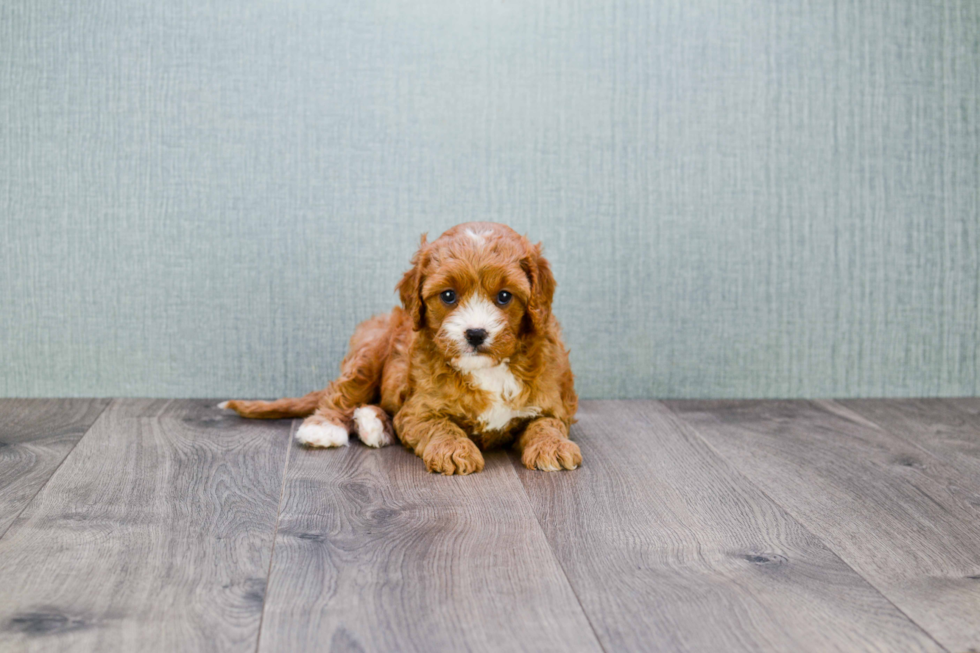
[740,197]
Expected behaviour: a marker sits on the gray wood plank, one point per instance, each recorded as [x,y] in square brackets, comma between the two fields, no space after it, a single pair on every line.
[937,426]
[373,553]
[668,548]
[154,535]
[969,405]
[900,517]
[35,436]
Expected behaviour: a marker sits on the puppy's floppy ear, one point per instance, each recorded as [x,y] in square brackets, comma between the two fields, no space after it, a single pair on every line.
[538,272]
[410,287]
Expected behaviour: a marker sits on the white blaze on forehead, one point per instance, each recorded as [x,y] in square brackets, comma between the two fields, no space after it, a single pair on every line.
[478,237]
[475,313]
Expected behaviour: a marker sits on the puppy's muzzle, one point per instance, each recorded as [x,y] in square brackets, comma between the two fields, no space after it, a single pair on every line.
[475,337]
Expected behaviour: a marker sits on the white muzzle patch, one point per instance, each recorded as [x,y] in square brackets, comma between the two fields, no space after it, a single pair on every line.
[475,313]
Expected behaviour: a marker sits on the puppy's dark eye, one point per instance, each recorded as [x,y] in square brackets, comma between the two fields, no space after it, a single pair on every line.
[448,297]
[503,298]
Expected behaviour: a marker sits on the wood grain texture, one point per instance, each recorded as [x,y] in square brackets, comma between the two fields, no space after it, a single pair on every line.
[668,548]
[373,553]
[35,437]
[695,526]
[154,535]
[937,426]
[969,405]
[902,518]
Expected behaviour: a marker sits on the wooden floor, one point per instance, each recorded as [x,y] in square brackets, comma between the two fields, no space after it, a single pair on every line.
[156,525]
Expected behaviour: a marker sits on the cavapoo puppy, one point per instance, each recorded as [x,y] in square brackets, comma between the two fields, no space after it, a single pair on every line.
[472,360]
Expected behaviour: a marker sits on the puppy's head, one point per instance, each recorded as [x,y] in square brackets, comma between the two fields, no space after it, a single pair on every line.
[478,291]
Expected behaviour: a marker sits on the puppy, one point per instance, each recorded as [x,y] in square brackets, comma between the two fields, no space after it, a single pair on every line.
[472,360]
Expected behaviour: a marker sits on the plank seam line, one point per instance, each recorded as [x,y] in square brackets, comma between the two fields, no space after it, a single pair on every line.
[561,567]
[275,533]
[694,430]
[51,475]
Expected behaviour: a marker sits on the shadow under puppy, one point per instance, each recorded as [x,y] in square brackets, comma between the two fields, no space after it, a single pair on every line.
[473,360]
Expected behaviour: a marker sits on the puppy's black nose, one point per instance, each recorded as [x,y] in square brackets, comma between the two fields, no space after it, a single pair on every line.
[475,336]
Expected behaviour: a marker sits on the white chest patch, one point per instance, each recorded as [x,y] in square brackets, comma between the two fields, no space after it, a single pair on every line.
[503,388]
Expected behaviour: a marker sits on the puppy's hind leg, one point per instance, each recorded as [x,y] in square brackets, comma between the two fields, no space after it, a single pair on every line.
[373,426]
[358,384]
[323,429]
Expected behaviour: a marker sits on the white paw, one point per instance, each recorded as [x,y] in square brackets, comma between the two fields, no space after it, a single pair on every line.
[223,405]
[322,434]
[370,428]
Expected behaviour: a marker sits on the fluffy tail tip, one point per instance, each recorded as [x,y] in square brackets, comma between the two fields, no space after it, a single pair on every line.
[223,405]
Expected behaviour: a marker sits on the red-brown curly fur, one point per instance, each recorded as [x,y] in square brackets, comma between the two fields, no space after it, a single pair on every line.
[449,400]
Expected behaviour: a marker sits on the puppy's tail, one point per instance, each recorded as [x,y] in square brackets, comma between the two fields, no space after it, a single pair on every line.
[300,407]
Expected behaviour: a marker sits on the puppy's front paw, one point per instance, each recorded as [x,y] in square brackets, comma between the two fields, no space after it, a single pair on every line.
[453,456]
[552,454]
